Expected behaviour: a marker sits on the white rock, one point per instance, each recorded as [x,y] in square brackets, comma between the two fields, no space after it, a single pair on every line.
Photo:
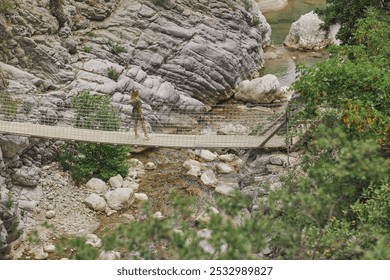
[227,157]
[93,240]
[128,217]
[49,248]
[226,188]
[191,163]
[158,215]
[131,184]
[50,214]
[39,254]
[95,202]
[120,198]
[260,90]
[150,166]
[207,155]
[116,181]
[194,171]
[233,129]
[306,34]
[110,255]
[110,212]
[208,178]
[141,196]
[224,168]
[97,185]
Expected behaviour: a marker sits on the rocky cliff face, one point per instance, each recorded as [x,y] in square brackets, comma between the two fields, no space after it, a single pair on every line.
[177,51]
[181,53]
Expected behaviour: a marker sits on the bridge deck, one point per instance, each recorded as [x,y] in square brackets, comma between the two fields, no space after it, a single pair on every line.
[156,139]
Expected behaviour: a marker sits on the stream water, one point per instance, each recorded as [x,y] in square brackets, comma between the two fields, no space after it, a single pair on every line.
[284,66]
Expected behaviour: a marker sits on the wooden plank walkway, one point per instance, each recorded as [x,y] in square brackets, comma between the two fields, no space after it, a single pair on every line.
[156,139]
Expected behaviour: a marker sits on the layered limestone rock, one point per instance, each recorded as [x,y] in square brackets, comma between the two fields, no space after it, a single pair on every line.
[306,34]
[176,52]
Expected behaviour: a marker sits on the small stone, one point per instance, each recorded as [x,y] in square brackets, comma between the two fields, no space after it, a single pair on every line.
[208,178]
[207,155]
[50,214]
[227,157]
[276,160]
[110,255]
[158,216]
[224,168]
[49,248]
[128,217]
[39,254]
[141,196]
[150,166]
[110,212]
[116,181]
[194,172]
[93,240]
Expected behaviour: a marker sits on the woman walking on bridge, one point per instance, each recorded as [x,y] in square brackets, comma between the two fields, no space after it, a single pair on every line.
[137,113]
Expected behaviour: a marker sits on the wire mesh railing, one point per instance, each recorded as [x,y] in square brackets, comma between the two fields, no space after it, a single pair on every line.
[231,124]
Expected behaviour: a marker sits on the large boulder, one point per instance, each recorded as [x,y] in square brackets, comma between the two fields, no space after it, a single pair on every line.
[306,34]
[97,185]
[95,202]
[27,176]
[260,90]
[13,145]
[120,198]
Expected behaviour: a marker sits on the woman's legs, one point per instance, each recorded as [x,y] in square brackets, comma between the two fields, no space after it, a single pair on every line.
[135,128]
[144,129]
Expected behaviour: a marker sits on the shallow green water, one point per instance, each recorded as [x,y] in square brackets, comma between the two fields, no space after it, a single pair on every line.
[281,20]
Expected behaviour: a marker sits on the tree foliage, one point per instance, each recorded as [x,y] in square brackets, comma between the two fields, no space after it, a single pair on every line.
[86,160]
[355,81]
[347,13]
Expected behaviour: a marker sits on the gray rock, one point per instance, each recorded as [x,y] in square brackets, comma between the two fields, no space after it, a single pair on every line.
[150,166]
[206,155]
[228,157]
[306,34]
[193,164]
[224,168]
[116,181]
[97,185]
[226,188]
[39,254]
[93,240]
[13,145]
[27,176]
[109,255]
[120,198]
[49,248]
[95,202]
[50,214]
[260,90]
[141,196]
[208,178]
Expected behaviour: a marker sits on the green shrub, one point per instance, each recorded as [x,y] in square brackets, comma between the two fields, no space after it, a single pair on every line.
[87,49]
[248,5]
[87,160]
[95,112]
[116,47]
[6,5]
[9,106]
[113,74]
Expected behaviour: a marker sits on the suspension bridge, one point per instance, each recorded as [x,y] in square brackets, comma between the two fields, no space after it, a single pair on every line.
[222,126]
